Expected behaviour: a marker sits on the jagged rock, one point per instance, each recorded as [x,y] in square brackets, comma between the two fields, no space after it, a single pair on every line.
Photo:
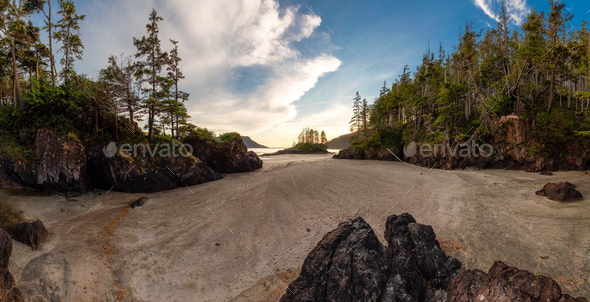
[8,290]
[349,264]
[62,163]
[505,283]
[144,174]
[139,203]
[231,156]
[418,256]
[547,173]
[563,192]
[32,234]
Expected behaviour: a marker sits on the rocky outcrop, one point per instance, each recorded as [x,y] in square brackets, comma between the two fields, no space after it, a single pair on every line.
[144,173]
[563,192]
[350,264]
[139,203]
[370,153]
[230,156]
[511,147]
[419,257]
[505,283]
[32,234]
[8,290]
[298,151]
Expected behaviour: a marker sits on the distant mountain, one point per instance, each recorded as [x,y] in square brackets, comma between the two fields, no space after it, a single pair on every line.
[340,142]
[252,144]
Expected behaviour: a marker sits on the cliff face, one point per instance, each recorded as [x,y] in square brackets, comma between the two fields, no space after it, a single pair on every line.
[231,156]
[66,165]
[511,148]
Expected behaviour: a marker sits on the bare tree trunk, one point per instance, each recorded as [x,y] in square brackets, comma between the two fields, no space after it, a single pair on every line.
[52,59]
[551,90]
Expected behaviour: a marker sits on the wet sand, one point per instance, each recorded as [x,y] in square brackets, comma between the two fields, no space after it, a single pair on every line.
[246,236]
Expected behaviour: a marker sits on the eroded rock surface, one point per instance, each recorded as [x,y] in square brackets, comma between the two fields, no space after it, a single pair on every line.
[8,290]
[563,192]
[505,283]
[32,234]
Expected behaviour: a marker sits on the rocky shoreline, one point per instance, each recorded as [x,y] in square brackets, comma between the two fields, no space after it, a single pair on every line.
[65,165]
[512,148]
[350,264]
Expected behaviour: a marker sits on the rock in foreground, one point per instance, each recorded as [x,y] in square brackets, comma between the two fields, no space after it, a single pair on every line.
[350,264]
[8,290]
[505,283]
[32,234]
[563,192]
[139,203]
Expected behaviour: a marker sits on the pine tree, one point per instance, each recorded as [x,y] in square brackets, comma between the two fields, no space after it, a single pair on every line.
[356,110]
[154,60]
[324,139]
[68,34]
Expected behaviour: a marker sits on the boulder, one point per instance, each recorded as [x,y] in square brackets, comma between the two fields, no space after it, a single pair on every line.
[350,264]
[505,283]
[547,173]
[230,156]
[32,234]
[418,256]
[8,290]
[139,203]
[563,192]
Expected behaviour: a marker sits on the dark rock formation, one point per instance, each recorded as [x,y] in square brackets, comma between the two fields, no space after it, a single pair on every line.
[505,283]
[297,151]
[350,264]
[370,153]
[418,256]
[563,192]
[8,290]
[32,234]
[229,156]
[145,173]
[139,203]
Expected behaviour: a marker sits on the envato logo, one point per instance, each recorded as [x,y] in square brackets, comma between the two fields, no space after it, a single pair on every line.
[163,150]
[436,150]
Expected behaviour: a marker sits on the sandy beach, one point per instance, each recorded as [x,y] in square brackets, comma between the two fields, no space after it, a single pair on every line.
[246,236]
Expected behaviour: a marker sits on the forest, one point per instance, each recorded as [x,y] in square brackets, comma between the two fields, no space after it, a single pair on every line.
[310,139]
[537,72]
[34,94]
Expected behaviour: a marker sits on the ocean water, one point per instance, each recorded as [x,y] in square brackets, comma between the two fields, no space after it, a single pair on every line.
[260,151]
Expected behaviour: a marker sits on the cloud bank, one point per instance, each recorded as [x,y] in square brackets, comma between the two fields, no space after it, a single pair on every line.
[246,50]
[517,9]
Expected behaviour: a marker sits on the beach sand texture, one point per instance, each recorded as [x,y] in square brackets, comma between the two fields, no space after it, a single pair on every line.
[245,237]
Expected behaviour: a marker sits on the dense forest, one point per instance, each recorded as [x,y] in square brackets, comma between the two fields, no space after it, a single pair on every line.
[538,72]
[35,94]
[310,139]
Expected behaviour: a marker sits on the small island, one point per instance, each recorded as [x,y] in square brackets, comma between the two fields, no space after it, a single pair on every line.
[309,141]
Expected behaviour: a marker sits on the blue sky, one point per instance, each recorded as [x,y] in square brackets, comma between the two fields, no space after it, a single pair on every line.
[299,74]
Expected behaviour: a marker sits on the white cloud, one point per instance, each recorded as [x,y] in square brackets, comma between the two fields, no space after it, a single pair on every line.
[517,9]
[254,36]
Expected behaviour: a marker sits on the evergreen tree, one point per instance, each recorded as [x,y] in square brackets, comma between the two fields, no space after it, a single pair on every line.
[356,113]
[68,33]
[154,60]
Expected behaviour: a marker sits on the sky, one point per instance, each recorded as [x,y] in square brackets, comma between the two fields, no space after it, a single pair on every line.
[268,68]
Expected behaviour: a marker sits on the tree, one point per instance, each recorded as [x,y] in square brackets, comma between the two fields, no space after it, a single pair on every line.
[324,139]
[68,34]
[36,6]
[356,110]
[174,76]
[154,60]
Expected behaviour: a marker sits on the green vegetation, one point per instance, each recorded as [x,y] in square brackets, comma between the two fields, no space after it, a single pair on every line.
[538,72]
[310,147]
[228,136]
[34,95]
